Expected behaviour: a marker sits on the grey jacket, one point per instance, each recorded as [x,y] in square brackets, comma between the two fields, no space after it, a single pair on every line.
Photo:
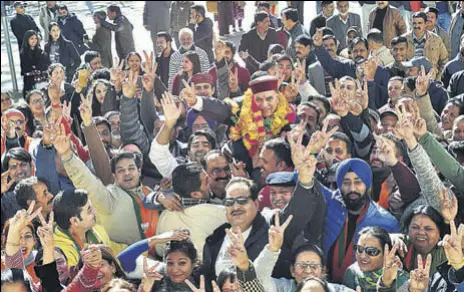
[339,27]
[180,13]
[123,37]
[316,77]
[156,15]
[45,17]
[297,30]
[455,32]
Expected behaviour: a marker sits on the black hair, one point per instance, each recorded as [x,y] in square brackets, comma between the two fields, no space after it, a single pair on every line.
[27,112]
[231,46]
[410,83]
[107,255]
[285,58]
[428,211]
[457,102]
[305,40]
[343,137]
[379,233]
[324,4]
[96,105]
[281,150]
[208,134]
[68,204]
[456,149]
[322,282]
[313,106]
[327,31]
[322,99]
[420,14]
[227,274]
[200,9]
[52,68]
[359,40]
[399,78]
[100,13]
[260,16]
[99,120]
[291,13]
[63,7]
[309,248]
[32,92]
[24,191]
[25,48]
[186,178]
[13,276]
[252,187]
[195,59]
[165,35]
[102,73]
[275,49]
[39,256]
[399,144]
[330,37]
[125,155]
[266,65]
[431,9]
[131,54]
[17,153]
[398,40]
[115,8]
[375,35]
[264,4]
[184,246]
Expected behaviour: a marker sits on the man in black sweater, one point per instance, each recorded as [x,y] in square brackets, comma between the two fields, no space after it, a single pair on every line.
[23,22]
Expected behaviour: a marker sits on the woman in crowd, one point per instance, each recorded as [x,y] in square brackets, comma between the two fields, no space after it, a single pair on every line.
[190,67]
[34,61]
[228,282]
[36,101]
[15,280]
[370,253]
[104,98]
[62,51]
[32,129]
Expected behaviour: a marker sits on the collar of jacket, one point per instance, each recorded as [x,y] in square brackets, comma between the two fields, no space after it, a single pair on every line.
[183,51]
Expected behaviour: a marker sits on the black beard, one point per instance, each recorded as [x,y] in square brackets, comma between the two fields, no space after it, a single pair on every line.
[356,204]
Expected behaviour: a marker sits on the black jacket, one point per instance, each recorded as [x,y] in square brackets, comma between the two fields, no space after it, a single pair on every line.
[441,280]
[203,37]
[456,86]
[22,23]
[69,56]
[74,31]
[438,96]
[36,60]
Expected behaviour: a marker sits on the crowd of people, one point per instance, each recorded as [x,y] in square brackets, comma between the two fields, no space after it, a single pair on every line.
[321,158]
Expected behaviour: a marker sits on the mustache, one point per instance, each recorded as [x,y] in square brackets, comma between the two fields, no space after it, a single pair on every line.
[353,193]
[222,179]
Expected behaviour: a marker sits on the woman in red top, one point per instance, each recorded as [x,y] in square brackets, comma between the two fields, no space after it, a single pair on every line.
[190,67]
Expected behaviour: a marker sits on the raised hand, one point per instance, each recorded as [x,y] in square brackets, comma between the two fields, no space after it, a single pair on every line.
[370,68]
[233,80]
[9,127]
[202,285]
[170,202]
[148,79]
[317,37]
[244,55]
[117,75]
[6,185]
[66,110]
[386,149]
[171,110]
[45,232]
[62,143]
[92,256]
[300,71]
[239,169]
[453,244]
[276,233]
[419,278]
[50,131]
[150,275]
[362,94]
[423,81]
[319,139]
[188,94]
[420,127]
[404,127]
[449,205]
[302,158]
[176,234]
[54,93]
[237,249]
[391,265]
[291,91]
[219,47]
[129,86]
[22,218]
[86,110]
[338,101]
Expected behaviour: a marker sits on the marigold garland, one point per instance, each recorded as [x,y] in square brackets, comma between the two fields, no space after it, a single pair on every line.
[252,128]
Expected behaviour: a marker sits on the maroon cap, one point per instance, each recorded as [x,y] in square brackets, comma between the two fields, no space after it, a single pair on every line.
[264,83]
[202,78]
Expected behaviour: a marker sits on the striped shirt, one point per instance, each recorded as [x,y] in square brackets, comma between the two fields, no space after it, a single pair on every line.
[419,45]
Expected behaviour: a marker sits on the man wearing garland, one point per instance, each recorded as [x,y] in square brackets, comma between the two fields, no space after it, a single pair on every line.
[258,116]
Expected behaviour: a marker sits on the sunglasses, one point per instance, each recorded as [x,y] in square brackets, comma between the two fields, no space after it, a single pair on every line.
[229,202]
[370,251]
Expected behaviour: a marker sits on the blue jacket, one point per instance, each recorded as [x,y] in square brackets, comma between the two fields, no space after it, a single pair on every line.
[73,30]
[46,170]
[337,213]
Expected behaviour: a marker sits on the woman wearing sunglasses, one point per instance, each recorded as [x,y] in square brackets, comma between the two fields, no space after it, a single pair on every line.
[370,253]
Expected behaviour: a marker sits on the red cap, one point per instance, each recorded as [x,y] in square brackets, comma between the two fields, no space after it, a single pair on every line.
[14,112]
[202,78]
[264,83]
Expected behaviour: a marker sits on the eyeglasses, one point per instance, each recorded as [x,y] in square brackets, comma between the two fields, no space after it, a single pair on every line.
[305,266]
[229,202]
[6,100]
[218,170]
[37,101]
[370,251]
[18,122]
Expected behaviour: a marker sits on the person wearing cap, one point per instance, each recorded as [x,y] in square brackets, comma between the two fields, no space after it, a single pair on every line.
[454,65]
[423,43]
[223,70]
[23,22]
[247,131]
[340,23]
[47,15]
[101,40]
[72,29]
[432,25]
[281,185]
[438,94]
[387,19]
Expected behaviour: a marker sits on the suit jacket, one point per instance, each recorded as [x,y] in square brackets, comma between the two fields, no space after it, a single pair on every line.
[339,28]
[316,77]
[393,24]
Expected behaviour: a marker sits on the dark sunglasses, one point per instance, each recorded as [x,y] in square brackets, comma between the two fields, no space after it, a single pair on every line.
[370,251]
[240,200]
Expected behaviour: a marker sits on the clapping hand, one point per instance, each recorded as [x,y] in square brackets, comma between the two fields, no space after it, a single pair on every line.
[391,265]
[419,278]
[276,233]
